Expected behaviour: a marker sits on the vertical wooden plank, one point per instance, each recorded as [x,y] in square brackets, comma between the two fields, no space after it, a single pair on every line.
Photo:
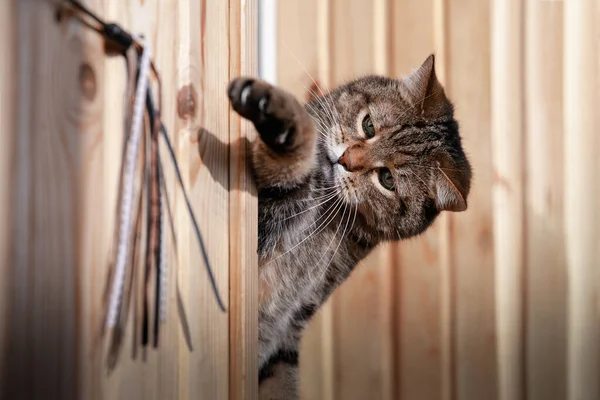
[243,268]
[96,383]
[546,265]
[297,46]
[412,34]
[208,186]
[581,192]
[166,43]
[507,145]
[189,17]
[471,233]
[352,50]
[55,134]
[8,125]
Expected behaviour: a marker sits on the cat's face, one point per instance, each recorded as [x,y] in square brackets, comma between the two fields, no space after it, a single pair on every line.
[392,151]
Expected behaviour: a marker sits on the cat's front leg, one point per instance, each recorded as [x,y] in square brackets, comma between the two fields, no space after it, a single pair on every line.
[285,154]
[282,384]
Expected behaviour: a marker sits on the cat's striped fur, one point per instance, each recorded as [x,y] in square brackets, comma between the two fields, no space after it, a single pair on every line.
[331,188]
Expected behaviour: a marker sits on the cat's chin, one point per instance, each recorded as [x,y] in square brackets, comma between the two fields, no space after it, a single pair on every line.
[327,170]
[329,155]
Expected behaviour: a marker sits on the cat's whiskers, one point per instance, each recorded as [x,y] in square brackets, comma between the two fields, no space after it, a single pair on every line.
[316,116]
[321,128]
[329,198]
[324,188]
[324,270]
[324,124]
[321,123]
[316,266]
[316,96]
[321,227]
[332,108]
[323,214]
[320,196]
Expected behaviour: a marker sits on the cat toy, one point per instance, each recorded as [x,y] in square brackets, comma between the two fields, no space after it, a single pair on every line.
[143,128]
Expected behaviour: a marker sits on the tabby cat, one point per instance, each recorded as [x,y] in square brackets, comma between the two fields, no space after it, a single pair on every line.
[375,160]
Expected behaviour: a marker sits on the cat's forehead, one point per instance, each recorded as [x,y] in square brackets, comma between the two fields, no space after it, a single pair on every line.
[374,87]
[385,97]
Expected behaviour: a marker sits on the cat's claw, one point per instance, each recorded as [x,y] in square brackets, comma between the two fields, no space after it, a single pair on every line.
[272,110]
[249,98]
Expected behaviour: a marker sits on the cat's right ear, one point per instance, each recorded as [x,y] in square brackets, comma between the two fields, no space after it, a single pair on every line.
[452,185]
[425,91]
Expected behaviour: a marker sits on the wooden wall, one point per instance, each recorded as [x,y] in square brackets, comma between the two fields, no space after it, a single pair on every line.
[61,102]
[502,301]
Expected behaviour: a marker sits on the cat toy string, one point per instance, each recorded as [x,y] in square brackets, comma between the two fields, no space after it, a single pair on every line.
[156,243]
[128,186]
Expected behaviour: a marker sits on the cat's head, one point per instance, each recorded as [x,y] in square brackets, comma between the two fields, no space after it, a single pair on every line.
[393,151]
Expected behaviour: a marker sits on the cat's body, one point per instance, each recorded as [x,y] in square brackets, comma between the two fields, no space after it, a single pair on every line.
[375,160]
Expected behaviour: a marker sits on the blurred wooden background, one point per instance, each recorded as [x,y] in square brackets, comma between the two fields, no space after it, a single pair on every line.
[502,301]
[61,132]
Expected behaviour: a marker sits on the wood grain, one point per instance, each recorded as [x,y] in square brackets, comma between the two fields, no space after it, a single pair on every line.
[208,186]
[8,123]
[61,152]
[472,233]
[243,267]
[581,193]
[54,139]
[546,278]
[508,156]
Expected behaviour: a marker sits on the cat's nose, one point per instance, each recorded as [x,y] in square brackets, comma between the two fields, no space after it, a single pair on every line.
[344,160]
[347,162]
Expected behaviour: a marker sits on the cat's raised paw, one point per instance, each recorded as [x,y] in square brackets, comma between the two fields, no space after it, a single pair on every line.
[249,97]
[272,110]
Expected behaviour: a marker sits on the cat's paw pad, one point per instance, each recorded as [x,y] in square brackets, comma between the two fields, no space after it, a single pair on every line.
[250,98]
[272,110]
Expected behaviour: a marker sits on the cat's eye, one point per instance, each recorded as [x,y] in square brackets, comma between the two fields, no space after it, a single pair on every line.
[386,179]
[367,126]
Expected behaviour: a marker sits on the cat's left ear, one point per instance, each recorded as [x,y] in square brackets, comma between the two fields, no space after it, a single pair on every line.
[426,92]
[452,186]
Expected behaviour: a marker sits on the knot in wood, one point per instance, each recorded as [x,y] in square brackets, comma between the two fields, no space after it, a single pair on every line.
[187,100]
[87,81]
